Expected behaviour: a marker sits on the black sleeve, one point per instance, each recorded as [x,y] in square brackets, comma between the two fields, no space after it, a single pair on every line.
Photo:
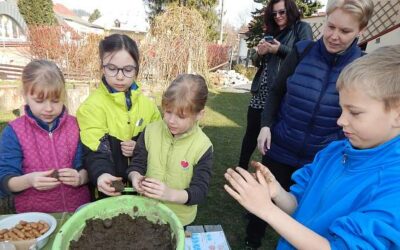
[284,50]
[139,157]
[107,158]
[278,91]
[255,58]
[198,187]
[303,32]
[97,163]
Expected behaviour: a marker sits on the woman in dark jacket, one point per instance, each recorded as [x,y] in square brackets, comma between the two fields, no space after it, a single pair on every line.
[284,29]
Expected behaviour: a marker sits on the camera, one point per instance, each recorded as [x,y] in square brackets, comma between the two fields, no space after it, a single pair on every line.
[269,39]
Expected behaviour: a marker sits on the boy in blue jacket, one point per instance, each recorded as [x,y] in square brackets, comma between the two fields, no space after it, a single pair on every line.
[349,196]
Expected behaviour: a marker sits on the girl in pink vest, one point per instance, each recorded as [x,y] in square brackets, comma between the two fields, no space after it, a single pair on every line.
[40,152]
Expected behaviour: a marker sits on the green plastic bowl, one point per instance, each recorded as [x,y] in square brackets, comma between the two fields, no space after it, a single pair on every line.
[111,207]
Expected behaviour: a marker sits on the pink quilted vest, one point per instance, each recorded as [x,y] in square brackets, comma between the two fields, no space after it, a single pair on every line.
[43,151]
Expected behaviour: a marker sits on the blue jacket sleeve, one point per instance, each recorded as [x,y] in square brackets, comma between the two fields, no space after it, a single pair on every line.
[302,177]
[78,160]
[10,159]
[375,225]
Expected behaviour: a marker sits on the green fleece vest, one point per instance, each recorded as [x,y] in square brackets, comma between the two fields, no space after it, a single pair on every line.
[172,161]
[106,113]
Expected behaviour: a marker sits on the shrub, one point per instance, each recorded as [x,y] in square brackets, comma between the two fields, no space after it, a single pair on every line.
[248,72]
[217,54]
[71,51]
[176,44]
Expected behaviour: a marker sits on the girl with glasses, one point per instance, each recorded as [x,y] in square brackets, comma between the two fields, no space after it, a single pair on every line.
[113,116]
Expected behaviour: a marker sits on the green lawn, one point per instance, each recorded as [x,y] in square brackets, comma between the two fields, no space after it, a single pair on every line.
[224,123]
[4,118]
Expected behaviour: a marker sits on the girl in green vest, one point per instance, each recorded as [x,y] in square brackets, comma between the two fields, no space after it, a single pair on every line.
[172,158]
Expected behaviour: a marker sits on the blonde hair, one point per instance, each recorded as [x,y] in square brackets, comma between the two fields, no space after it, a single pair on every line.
[362,9]
[45,79]
[378,74]
[187,95]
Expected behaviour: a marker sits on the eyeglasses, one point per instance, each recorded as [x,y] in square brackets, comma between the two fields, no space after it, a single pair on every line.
[280,12]
[112,70]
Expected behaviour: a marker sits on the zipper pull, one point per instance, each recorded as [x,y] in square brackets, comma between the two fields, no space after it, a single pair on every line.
[344,159]
[51,135]
[139,122]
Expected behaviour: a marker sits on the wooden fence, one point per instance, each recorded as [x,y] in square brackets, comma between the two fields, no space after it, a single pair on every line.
[11,97]
[13,72]
[10,72]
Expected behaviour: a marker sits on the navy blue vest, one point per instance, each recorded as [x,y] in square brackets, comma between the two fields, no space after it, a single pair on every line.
[306,122]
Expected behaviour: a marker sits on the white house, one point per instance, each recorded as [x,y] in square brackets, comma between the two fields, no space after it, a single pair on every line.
[12,25]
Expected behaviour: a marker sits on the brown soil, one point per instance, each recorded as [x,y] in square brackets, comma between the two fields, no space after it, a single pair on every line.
[118,185]
[124,232]
[55,174]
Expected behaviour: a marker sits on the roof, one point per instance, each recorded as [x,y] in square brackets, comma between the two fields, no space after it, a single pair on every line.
[64,14]
[129,21]
[79,20]
[62,10]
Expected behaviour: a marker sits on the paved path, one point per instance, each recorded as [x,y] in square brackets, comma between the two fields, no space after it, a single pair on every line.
[242,88]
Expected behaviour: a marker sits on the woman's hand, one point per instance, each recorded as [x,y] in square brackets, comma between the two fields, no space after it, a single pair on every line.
[252,193]
[104,184]
[69,176]
[262,48]
[42,180]
[127,147]
[137,179]
[264,140]
[274,46]
[156,189]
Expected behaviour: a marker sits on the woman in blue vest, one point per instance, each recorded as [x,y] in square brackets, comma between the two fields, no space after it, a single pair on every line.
[303,106]
[282,18]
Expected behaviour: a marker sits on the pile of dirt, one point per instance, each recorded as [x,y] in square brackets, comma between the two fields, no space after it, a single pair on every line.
[124,232]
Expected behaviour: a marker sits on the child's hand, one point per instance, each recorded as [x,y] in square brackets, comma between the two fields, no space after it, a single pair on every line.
[104,184]
[251,193]
[69,176]
[274,187]
[155,189]
[137,179]
[42,180]
[127,147]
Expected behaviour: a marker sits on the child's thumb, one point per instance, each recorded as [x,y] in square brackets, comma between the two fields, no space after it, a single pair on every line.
[261,178]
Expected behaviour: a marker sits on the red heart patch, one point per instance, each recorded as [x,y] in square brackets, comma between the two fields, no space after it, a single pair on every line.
[184,164]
